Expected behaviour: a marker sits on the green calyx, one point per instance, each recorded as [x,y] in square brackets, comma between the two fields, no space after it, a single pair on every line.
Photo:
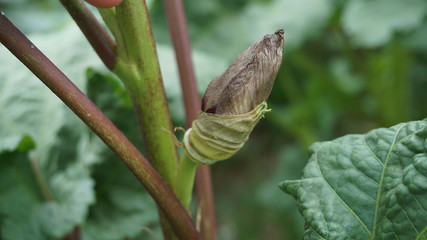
[215,137]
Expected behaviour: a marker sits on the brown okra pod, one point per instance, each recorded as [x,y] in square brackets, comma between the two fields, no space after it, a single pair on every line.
[235,101]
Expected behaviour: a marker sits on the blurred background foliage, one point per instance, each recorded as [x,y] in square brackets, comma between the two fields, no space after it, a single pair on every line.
[349,66]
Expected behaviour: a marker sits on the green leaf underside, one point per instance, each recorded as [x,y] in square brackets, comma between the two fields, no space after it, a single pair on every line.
[371,186]
[25,213]
[123,210]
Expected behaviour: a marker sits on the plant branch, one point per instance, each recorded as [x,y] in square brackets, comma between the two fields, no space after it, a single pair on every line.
[109,17]
[185,180]
[179,33]
[95,33]
[56,81]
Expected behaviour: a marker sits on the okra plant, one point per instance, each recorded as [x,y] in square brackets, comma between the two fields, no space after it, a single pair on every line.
[371,186]
[132,57]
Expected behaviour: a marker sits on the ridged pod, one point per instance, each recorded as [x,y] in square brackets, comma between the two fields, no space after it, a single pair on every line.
[234,102]
[215,137]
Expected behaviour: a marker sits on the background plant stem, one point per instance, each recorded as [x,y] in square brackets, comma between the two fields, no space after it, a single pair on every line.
[179,33]
[41,180]
[95,33]
[56,81]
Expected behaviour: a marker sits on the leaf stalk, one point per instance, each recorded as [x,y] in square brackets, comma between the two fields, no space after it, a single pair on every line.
[185,181]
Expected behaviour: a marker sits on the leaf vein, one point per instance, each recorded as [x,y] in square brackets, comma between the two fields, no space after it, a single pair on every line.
[403,139]
[415,197]
[372,180]
[422,234]
[410,221]
[339,198]
[370,150]
[320,236]
[381,182]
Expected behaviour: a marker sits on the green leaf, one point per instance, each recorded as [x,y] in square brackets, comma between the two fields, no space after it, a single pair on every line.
[49,14]
[27,214]
[123,208]
[110,96]
[27,106]
[371,186]
[372,23]
[19,198]
[21,143]
[63,149]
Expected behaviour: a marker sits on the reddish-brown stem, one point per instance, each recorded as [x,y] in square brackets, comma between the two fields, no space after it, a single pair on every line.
[179,33]
[56,81]
[181,43]
[73,235]
[205,196]
[95,33]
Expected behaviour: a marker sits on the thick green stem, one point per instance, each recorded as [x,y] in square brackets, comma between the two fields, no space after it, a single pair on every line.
[185,181]
[139,69]
[109,17]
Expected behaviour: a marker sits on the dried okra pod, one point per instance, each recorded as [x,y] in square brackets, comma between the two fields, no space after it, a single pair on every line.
[235,101]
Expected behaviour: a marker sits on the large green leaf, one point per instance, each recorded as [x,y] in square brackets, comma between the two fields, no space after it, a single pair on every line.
[371,186]
[29,107]
[26,213]
[62,152]
[123,208]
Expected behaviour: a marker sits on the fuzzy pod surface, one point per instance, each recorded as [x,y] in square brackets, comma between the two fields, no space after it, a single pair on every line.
[249,79]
